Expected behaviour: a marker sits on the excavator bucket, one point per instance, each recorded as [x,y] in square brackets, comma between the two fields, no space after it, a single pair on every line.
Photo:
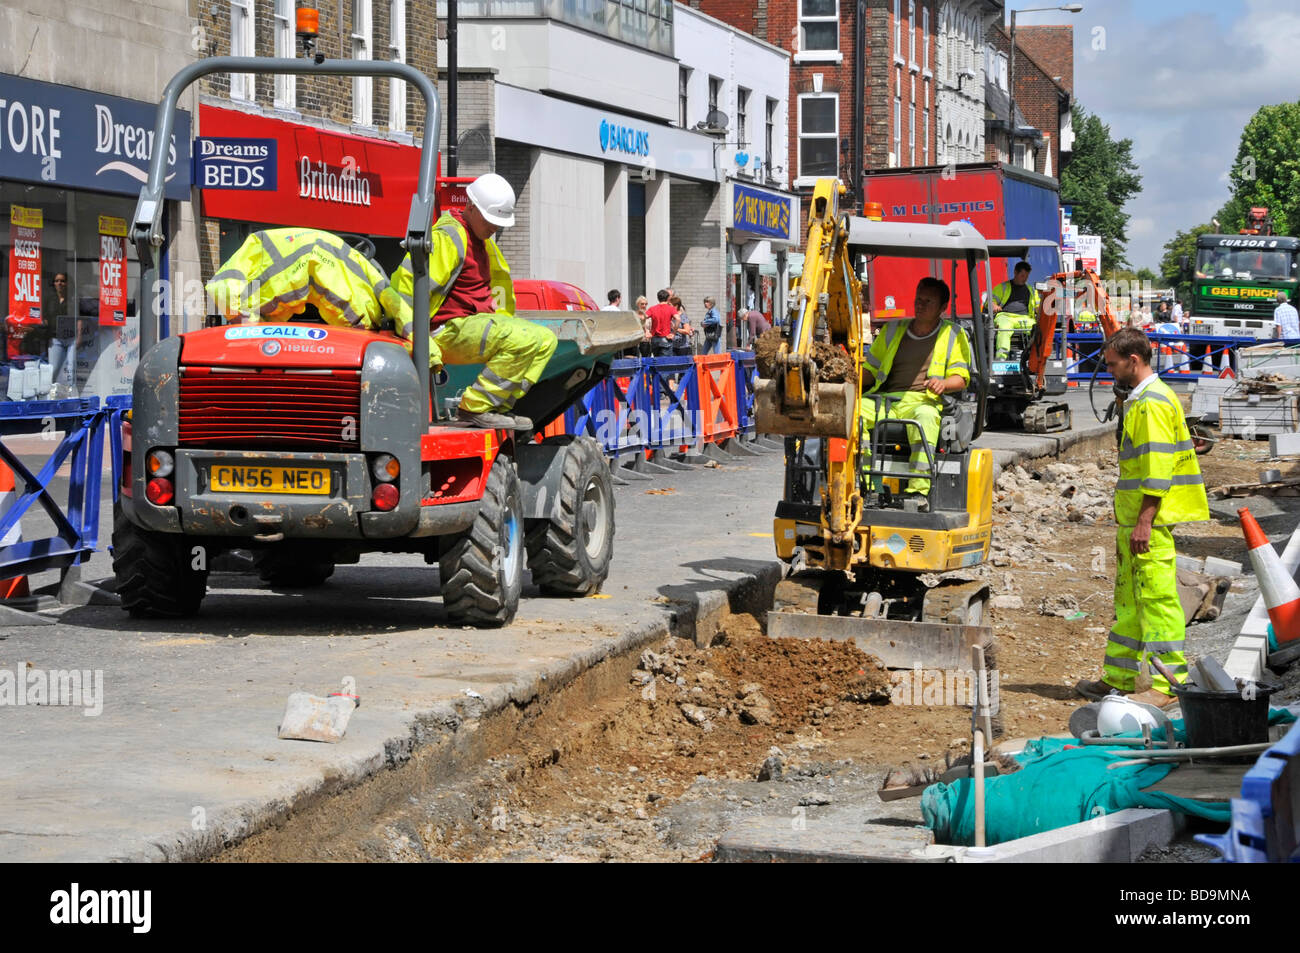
[831,411]
[899,644]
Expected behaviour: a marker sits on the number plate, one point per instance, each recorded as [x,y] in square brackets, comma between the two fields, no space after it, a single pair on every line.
[244,479]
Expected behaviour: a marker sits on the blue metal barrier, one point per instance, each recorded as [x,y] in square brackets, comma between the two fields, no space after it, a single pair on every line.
[85,422]
[674,401]
[1174,356]
[617,415]
[746,379]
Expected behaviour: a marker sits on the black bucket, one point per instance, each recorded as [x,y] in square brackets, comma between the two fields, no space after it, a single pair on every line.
[1222,719]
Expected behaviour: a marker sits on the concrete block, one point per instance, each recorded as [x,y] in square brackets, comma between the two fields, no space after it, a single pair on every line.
[1120,838]
[1214,566]
[1191,563]
[1244,663]
[842,838]
[1253,643]
[1284,444]
[312,718]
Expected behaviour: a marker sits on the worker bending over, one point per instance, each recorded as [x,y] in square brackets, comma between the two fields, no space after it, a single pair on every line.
[910,365]
[278,272]
[472,305]
[1159,486]
[1015,308]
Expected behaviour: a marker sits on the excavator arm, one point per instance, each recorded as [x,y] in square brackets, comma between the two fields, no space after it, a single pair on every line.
[1049,308]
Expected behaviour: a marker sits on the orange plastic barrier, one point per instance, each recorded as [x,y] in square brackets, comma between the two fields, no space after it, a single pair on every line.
[716,379]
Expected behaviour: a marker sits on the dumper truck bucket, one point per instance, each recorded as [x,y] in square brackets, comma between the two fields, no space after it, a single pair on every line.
[586,343]
[897,643]
[830,412]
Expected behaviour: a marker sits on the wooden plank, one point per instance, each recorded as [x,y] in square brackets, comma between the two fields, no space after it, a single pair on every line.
[1203,782]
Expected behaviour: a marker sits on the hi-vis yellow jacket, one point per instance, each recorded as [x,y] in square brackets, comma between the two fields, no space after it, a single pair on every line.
[1002,294]
[450,239]
[277,272]
[1156,458]
[951,354]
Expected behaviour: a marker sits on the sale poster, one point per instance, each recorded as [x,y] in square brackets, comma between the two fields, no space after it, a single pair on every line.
[25,226]
[112,271]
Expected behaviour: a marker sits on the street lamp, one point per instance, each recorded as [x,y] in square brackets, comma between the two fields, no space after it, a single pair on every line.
[1011,70]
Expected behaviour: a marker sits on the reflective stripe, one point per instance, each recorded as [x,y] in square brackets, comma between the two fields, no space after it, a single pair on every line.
[952,341]
[1153,483]
[493,400]
[1151,648]
[482,345]
[406,329]
[292,296]
[342,304]
[1150,394]
[1129,452]
[962,365]
[496,379]
[871,360]
[1150,483]
[1129,663]
[228,274]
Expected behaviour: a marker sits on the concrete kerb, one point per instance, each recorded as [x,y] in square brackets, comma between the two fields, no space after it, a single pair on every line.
[1040,446]
[452,733]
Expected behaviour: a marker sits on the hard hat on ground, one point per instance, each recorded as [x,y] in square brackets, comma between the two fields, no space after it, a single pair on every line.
[494,198]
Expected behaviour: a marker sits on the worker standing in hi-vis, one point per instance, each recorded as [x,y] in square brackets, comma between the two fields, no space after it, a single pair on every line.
[1159,486]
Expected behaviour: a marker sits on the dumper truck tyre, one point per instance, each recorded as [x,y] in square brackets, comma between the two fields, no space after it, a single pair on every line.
[482,569]
[155,571]
[292,568]
[570,553]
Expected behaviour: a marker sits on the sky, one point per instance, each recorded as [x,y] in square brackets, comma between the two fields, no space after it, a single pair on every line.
[1180,78]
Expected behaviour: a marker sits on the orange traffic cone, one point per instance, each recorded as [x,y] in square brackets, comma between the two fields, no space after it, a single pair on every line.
[1279,589]
[16,587]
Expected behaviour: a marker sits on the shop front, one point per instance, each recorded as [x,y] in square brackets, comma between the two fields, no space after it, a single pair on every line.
[762,229]
[71,165]
[254,172]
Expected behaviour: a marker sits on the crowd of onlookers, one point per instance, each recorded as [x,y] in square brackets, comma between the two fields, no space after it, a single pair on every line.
[669,331]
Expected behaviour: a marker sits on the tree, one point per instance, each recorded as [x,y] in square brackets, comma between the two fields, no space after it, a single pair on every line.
[1171,270]
[1267,169]
[1100,180]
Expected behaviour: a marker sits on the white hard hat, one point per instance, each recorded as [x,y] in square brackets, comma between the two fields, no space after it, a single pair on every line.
[494,198]
[1120,715]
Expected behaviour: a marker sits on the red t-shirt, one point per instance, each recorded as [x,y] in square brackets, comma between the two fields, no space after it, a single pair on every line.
[661,319]
[472,292]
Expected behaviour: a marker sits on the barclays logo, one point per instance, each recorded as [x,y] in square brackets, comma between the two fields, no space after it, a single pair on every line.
[623,139]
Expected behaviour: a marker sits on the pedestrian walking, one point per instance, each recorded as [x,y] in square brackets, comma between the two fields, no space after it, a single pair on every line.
[662,316]
[645,349]
[1286,320]
[712,325]
[1159,486]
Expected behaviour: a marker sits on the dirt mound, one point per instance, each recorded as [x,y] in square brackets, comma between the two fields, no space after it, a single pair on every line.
[833,363]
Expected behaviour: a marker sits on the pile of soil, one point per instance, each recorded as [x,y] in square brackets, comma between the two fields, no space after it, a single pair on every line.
[833,363]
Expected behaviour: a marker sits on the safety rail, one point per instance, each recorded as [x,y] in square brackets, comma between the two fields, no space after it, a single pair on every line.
[1174,356]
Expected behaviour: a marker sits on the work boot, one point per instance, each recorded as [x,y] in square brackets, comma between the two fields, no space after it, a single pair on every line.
[522,423]
[485,420]
[1096,691]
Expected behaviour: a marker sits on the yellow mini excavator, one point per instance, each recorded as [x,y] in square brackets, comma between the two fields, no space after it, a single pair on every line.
[868,562]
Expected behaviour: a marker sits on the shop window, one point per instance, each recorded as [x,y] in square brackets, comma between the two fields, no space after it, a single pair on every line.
[286,87]
[819,118]
[82,333]
[362,86]
[397,53]
[819,26]
[242,85]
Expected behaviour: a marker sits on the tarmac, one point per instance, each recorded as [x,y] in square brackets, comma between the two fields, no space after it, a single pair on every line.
[176,756]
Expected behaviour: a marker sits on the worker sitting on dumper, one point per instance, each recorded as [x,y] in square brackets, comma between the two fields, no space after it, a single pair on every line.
[472,305]
[279,272]
[910,365]
[1015,308]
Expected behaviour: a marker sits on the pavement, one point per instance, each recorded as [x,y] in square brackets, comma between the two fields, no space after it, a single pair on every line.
[174,754]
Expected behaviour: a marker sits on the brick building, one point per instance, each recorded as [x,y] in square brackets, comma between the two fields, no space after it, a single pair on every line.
[1042,102]
[899,84]
[960,75]
[1053,48]
[352,141]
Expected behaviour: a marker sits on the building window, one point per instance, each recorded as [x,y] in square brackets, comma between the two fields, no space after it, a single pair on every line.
[242,85]
[898,120]
[898,30]
[911,32]
[925,39]
[286,87]
[769,135]
[911,132]
[715,93]
[742,115]
[683,88]
[925,137]
[819,26]
[819,129]
[397,53]
[362,86]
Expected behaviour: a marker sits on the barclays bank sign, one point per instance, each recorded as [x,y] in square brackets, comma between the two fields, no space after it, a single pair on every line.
[625,139]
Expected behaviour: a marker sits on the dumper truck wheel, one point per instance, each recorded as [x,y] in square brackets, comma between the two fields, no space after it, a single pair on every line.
[155,571]
[569,554]
[483,568]
[293,569]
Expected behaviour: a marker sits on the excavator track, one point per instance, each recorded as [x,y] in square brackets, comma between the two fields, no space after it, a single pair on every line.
[1042,417]
[957,603]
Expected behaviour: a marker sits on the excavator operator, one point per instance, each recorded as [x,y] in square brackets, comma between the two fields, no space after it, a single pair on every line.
[910,365]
